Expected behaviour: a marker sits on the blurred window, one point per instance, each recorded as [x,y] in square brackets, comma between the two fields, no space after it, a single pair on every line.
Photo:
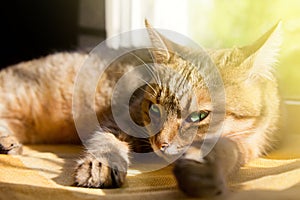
[217,24]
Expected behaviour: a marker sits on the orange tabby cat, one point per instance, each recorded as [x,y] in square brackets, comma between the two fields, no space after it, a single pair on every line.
[36,107]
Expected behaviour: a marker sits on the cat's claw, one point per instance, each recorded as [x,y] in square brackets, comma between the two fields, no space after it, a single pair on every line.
[198,179]
[10,145]
[91,172]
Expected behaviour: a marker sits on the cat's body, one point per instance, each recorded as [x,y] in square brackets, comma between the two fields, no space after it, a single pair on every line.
[36,107]
[36,99]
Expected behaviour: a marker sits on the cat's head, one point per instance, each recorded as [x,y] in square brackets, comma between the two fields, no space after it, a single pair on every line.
[180,102]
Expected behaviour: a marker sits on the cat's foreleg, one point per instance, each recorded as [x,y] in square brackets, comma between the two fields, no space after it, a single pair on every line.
[204,176]
[104,164]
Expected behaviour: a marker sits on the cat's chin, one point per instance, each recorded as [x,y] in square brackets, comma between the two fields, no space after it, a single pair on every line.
[169,157]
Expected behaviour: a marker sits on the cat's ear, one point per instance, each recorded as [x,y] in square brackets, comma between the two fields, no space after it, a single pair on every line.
[262,55]
[162,46]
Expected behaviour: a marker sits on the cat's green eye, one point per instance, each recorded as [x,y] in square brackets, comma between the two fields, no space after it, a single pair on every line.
[197,116]
[154,110]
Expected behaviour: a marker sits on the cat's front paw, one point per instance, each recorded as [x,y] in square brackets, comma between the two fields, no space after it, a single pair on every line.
[10,145]
[92,172]
[199,179]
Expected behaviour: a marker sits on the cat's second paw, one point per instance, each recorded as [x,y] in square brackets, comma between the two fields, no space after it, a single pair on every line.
[10,145]
[92,172]
[198,179]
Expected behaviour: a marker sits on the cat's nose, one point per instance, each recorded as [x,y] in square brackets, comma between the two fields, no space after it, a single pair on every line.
[164,146]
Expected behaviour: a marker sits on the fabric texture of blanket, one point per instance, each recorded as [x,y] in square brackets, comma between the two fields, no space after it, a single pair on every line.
[45,172]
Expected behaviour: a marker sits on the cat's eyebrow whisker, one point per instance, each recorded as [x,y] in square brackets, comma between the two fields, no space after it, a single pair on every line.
[146,82]
[147,92]
[158,76]
[149,68]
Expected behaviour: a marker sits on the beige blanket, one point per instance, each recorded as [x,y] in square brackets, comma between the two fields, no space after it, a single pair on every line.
[45,172]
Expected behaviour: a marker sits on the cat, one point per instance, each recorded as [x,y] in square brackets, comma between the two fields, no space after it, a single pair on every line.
[36,107]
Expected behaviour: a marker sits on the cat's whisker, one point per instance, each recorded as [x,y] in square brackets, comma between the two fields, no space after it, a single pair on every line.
[149,68]
[145,140]
[144,145]
[118,72]
[151,87]
[142,133]
[240,133]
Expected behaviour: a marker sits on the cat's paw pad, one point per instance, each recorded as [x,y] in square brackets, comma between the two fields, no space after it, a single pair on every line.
[199,179]
[91,172]
[10,145]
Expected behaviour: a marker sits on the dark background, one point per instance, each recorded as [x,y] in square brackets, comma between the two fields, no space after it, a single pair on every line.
[34,28]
